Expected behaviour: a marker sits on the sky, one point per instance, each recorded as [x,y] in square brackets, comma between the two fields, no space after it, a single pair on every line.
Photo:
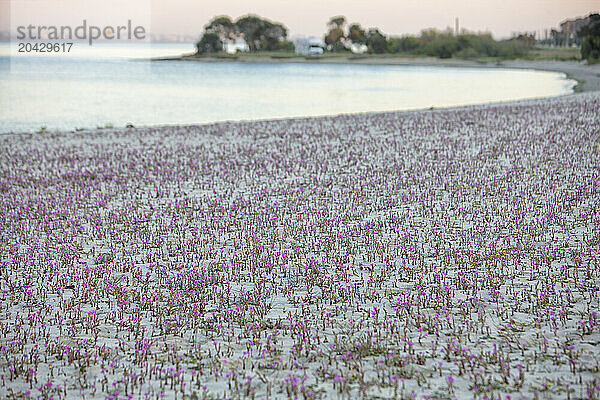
[393,17]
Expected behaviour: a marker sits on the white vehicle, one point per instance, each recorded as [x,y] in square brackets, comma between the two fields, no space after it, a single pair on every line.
[311,46]
[235,46]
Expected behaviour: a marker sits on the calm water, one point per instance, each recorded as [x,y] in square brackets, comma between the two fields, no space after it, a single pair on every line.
[94,88]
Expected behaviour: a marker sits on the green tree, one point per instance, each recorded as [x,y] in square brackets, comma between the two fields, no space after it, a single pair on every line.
[376,41]
[405,44]
[223,26]
[442,47]
[261,34]
[250,27]
[209,43]
[337,22]
[335,35]
[356,34]
[440,44]
[273,36]
[590,48]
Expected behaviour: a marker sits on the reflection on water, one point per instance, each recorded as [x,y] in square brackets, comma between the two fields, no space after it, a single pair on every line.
[106,88]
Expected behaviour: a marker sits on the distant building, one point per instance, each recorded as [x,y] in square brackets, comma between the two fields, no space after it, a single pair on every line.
[570,28]
[310,46]
[235,46]
[567,36]
[356,48]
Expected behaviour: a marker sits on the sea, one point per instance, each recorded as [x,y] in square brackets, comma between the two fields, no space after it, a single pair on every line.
[113,85]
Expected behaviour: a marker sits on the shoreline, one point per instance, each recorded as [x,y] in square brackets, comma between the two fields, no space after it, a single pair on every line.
[587,76]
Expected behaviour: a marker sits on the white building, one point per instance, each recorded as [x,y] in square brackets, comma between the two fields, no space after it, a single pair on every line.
[234,46]
[356,48]
[310,46]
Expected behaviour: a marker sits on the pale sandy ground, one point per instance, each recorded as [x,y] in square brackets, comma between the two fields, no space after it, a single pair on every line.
[444,254]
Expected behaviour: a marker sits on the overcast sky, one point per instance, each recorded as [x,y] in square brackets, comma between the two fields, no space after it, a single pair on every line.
[396,17]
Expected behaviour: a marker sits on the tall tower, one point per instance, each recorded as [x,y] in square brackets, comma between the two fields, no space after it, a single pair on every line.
[456,30]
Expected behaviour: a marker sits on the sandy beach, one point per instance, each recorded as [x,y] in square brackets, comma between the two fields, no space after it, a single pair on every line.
[447,253]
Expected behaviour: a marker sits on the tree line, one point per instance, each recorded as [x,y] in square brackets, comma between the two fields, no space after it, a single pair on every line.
[431,42]
[259,34]
[590,34]
[263,35]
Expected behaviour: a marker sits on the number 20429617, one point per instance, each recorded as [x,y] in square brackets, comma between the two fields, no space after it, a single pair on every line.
[44,47]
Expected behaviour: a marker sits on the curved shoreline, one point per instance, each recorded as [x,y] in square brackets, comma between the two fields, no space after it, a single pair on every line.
[587,76]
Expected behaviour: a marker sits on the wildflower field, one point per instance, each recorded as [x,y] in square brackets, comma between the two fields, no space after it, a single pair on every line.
[443,254]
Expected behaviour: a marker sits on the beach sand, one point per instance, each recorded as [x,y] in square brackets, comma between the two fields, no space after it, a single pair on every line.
[447,253]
